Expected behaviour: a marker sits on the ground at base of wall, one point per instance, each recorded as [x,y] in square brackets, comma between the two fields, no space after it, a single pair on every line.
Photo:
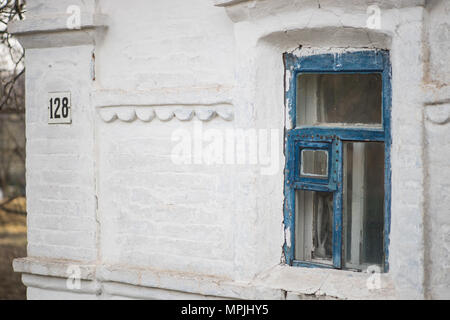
[13,242]
[11,287]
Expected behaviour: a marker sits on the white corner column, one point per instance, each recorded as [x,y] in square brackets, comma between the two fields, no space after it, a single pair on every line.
[59,38]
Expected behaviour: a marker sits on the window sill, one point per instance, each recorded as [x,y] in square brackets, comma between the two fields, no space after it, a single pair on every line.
[279,282]
[299,282]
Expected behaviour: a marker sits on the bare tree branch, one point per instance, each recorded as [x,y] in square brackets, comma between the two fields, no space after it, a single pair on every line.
[12,65]
[12,107]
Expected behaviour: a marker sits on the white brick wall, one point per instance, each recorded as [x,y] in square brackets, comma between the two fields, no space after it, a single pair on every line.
[210,230]
[155,213]
[191,45]
[437,240]
[60,176]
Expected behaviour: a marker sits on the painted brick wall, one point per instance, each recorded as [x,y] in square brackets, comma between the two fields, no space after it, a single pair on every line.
[180,44]
[155,213]
[223,221]
[60,176]
[437,203]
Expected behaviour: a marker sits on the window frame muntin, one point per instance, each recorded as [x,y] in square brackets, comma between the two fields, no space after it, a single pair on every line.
[323,146]
[366,61]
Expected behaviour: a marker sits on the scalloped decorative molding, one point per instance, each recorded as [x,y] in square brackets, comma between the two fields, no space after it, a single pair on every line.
[184,104]
[438,114]
[165,113]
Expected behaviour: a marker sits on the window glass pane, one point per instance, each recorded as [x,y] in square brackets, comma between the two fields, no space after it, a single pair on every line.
[363,204]
[314,226]
[314,163]
[339,98]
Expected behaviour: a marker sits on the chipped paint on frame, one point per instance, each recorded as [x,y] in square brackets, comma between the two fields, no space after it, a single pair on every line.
[367,61]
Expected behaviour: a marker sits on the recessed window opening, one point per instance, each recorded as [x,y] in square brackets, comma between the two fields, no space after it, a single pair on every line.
[337,182]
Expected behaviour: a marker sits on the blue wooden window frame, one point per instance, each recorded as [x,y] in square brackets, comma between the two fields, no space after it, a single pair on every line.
[368,61]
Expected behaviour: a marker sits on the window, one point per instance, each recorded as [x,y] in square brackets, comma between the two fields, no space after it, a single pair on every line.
[337,175]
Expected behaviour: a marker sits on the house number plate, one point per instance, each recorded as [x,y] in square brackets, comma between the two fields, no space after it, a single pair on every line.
[59,107]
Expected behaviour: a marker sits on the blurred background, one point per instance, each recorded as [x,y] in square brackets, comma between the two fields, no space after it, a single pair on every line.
[13,215]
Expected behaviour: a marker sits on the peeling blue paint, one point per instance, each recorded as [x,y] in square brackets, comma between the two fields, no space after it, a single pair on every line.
[375,61]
